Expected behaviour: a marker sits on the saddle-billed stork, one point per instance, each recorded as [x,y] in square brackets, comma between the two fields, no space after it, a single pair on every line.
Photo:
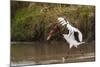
[74,37]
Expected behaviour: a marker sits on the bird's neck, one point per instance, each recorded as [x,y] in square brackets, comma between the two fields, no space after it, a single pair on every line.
[69,26]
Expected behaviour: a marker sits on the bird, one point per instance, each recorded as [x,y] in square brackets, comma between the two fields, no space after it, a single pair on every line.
[70,37]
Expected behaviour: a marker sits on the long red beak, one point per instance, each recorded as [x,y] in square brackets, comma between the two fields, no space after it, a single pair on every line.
[48,37]
[50,34]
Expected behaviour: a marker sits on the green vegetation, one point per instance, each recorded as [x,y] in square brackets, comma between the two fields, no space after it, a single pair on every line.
[31,21]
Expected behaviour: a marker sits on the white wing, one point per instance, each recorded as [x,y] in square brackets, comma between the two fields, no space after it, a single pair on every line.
[80,36]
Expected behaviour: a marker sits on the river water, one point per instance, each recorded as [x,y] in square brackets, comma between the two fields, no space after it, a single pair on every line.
[53,52]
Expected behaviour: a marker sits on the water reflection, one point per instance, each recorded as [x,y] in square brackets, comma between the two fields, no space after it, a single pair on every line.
[39,51]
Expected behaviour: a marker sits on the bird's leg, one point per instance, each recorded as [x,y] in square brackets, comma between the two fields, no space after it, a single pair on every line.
[68,53]
[81,51]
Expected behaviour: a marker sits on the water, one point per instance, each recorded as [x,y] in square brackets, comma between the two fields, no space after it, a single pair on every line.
[48,52]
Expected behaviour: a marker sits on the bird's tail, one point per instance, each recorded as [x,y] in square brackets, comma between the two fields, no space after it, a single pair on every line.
[82,42]
[79,44]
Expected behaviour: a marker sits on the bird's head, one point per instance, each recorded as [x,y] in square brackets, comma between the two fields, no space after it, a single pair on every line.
[62,21]
[59,26]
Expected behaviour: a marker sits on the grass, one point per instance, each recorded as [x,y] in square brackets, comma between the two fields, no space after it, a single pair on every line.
[29,24]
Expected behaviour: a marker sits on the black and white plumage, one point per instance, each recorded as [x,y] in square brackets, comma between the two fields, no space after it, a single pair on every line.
[74,37]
